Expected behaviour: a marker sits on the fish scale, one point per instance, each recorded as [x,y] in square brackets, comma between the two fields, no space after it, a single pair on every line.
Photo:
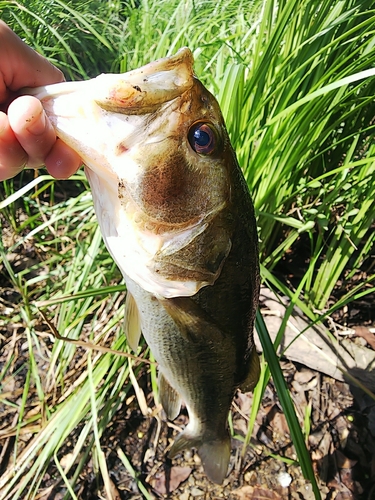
[176,216]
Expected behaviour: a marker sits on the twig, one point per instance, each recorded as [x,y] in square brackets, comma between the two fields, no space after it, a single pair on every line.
[90,345]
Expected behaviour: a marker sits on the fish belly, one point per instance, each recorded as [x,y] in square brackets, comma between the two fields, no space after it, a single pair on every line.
[196,366]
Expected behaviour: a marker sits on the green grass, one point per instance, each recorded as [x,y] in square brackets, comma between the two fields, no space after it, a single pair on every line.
[295,82]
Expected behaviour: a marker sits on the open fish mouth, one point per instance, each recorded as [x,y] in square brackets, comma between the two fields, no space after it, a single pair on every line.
[159,189]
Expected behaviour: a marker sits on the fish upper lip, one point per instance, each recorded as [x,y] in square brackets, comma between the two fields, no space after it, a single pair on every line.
[135,92]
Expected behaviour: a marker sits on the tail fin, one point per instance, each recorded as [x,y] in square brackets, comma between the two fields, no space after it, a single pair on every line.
[215,454]
[215,457]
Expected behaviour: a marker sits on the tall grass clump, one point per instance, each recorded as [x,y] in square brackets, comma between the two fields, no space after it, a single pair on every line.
[295,81]
[305,132]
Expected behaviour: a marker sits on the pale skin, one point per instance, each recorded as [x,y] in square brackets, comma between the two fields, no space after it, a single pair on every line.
[27,138]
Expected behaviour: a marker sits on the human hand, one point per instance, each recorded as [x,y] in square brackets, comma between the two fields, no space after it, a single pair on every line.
[27,138]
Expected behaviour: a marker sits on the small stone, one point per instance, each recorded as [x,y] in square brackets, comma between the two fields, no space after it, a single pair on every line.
[247,477]
[284,479]
[251,477]
[185,495]
[196,492]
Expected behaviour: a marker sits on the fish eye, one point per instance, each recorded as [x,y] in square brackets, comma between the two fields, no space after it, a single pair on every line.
[203,138]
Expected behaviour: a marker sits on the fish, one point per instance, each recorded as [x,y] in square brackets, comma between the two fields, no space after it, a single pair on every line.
[176,215]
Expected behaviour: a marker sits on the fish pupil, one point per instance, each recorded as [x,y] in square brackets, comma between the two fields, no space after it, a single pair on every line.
[202,138]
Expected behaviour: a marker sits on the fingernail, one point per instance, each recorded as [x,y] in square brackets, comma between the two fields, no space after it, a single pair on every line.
[38,124]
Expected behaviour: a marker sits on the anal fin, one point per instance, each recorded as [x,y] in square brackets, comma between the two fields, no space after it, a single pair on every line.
[169,398]
[132,322]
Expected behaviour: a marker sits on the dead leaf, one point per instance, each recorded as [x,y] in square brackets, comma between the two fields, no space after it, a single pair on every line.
[344,495]
[114,491]
[344,462]
[256,493]
[66,460]
[110,492]
[365,333]
[244,402]
[176,476]
[278,421]
[304,376]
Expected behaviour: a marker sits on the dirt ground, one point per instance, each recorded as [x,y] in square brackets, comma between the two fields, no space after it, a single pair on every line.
[341,439]
[341,444]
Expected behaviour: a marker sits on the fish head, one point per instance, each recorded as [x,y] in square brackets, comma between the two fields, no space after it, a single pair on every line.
[159,163]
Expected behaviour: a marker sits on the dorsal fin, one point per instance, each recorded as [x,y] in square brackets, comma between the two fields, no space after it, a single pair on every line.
[132,322]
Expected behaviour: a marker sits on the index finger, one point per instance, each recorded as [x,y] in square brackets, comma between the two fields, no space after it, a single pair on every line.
[21,66]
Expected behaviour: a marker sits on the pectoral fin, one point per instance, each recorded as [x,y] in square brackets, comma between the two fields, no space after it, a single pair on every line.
[191,319]
[132,322]
[252,377]
[169,398]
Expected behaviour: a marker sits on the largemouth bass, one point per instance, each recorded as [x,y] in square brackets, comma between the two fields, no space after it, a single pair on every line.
[176,215]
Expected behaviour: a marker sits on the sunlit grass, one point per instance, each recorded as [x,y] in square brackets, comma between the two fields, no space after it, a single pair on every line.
[295,82]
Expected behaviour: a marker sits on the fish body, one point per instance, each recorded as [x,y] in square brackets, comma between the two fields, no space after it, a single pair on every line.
[177,217]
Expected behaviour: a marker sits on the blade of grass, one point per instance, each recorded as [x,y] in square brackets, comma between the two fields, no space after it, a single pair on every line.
[124,459]
[287,404]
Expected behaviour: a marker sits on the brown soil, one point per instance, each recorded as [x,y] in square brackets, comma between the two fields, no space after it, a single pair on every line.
[341,440]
